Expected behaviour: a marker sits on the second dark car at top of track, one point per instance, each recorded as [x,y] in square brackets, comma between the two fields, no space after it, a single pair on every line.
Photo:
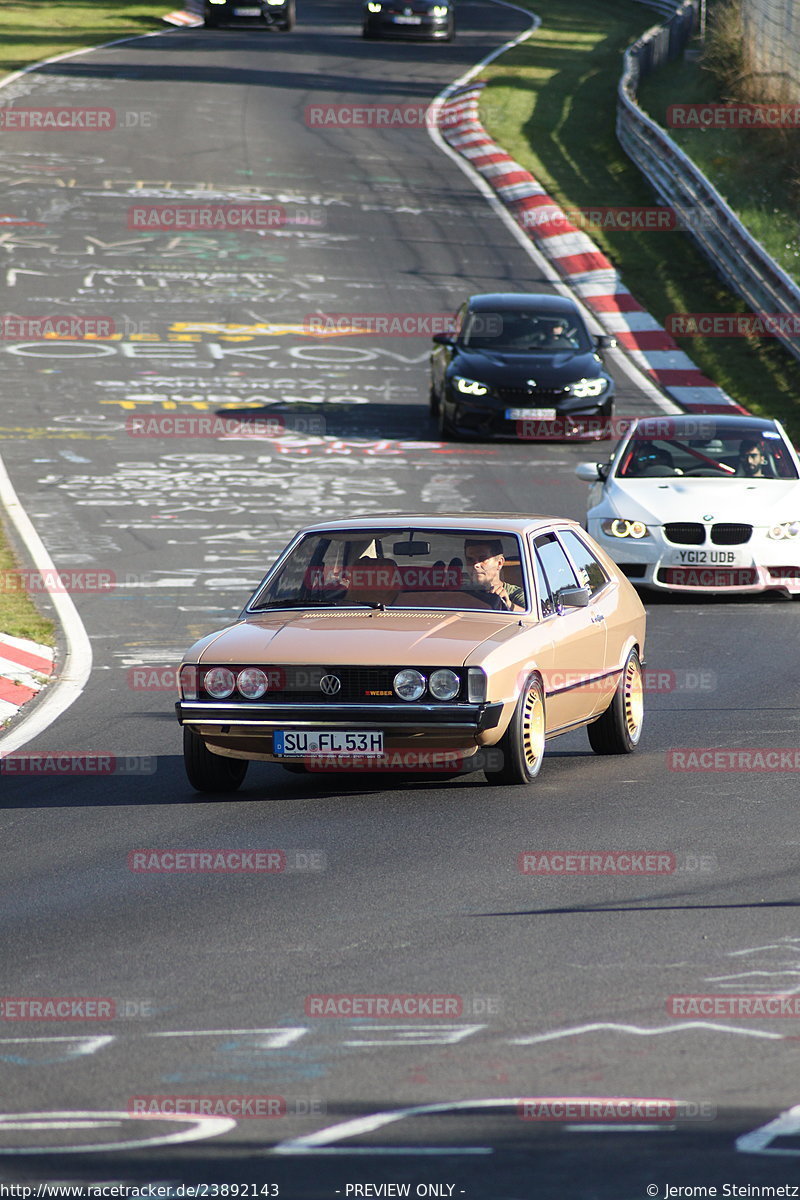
[275,14]
[430,19]
[520,366]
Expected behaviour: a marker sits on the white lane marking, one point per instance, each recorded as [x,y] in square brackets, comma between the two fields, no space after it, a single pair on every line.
[640,1031]
[757,1141]
[85,1045]
[641,381]
[265,1039]
[76,668]
[199,1129]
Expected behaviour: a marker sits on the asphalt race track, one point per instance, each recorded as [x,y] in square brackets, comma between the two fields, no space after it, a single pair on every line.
[561,982]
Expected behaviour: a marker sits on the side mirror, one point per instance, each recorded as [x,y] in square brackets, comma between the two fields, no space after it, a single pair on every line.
[444,339]
[588,472]
[577,597]
[605,341]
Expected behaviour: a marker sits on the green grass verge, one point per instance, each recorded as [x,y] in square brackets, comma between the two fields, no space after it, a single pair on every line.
[754,169]
[36,29]
[18,613]
[551,103]
[29,32]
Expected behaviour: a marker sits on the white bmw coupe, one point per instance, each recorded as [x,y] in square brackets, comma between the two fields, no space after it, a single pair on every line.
[700,504]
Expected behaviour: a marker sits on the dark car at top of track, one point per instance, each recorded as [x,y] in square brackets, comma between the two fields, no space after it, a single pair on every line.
[520,366]
[430,19]
[275,14]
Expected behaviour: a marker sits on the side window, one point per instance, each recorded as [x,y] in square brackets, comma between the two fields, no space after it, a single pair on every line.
[543,589]
[556,566]
[590,573]
[458,324]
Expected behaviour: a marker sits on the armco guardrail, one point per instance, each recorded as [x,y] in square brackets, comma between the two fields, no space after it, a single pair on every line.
[735,254]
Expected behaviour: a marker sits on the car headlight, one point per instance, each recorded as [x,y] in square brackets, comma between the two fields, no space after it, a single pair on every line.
[252,683]
[374,7]
[439,10]
[187,682]
[409,684]
[219,682]
[588,387]
[470,387]
[444,685]
[618,527]
[785,529]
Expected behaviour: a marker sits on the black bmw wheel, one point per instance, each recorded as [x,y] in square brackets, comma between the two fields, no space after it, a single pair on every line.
[209,772]
[288,21]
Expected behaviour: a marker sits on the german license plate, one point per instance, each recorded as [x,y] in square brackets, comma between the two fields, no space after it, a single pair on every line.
[408,20]
[295,744]
[247,12]
[530,414]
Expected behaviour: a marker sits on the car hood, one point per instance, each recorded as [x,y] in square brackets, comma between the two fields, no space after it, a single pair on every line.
[745,501]
[364,638]
[514,369]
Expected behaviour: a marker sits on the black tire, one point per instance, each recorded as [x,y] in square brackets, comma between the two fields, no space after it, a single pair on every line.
[208,24]
[451,33]
[367,33]
[209,772]
[522,744]
[446,431]
[433,402]
[295,768]
[288,22]
[619,729]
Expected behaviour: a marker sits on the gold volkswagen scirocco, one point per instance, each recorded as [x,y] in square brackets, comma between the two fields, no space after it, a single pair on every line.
[446,643]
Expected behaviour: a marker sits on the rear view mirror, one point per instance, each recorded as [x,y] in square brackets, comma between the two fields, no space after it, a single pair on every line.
[605,341]
[411,549]
[444,339]
[588,472]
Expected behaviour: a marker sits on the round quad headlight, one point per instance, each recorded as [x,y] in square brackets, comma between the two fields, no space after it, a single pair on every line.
[444,685]
[252,683]
[470,387]
[219,682]
[582,388]
[618,527]
[786,529]
[409,684]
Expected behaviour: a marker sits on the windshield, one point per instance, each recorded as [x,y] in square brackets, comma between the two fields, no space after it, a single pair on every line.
[400,568]
[524,331]
[719,452]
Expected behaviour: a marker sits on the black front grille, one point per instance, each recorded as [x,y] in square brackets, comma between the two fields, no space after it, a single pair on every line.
[301,685]
[685,533]
[731,535]
[523,397]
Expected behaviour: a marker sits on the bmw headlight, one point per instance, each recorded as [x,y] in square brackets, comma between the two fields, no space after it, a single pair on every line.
[219,682]
[409,684]
[583,388]
[444,685]
[618,527]
[371,7]
[439,10]
[785,529]
[469,387]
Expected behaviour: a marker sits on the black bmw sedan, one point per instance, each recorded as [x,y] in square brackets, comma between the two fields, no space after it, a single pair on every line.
[275,14]
[520,366]
[433,19]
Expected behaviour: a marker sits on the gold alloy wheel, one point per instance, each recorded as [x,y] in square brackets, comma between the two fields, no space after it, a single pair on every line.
[633,698]
[533,726]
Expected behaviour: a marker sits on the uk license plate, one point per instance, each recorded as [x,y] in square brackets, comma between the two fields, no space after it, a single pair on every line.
[710,558]
[291,743]
[530,414]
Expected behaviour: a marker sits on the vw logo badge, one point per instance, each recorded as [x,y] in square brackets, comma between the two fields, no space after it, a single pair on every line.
[330,684]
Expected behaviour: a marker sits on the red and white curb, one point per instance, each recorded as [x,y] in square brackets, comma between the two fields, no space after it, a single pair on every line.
[578,260]
[191,16]
[25,667]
